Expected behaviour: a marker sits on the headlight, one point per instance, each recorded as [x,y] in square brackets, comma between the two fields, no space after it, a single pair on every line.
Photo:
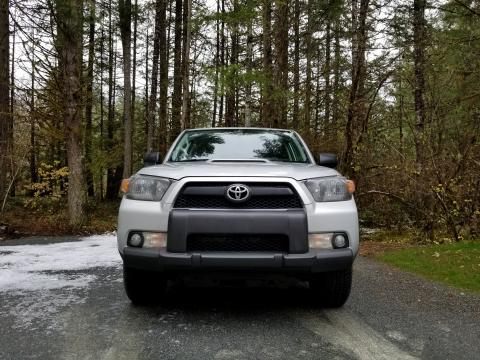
[147,188]
[330,189]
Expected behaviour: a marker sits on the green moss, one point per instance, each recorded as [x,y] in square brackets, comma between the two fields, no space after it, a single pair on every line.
[456,264]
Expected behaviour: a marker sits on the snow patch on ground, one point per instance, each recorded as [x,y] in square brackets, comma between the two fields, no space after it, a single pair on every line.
[39,267]
[40,280]
[39,311]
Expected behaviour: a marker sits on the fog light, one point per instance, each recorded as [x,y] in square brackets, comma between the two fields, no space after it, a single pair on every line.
[155,240]
[339,241]
[136,240]
[320,241]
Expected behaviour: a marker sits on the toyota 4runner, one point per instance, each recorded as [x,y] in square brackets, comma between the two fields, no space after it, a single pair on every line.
[239,200]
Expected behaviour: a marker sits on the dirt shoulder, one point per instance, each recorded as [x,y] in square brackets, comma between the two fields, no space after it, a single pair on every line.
[20,221]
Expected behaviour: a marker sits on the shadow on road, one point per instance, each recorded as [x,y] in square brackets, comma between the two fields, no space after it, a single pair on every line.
[238,295]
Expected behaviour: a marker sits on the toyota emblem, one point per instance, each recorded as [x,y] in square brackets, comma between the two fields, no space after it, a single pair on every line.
[238,193]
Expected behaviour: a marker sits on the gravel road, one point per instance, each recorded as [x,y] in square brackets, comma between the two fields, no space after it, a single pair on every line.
[63,298]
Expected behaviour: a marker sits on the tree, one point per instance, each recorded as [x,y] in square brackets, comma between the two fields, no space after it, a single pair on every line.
[249,68]
[336,79]
[356,113]
[281,44]
[327,72]
[6,120]
[69,17]
[267,113]
[296,63]
[187,33]
[419,68]
[125,14]
[308,81]
[177,73]
[152,104]
[33,145]
[232,72]
[134,63]
[222,65]
[113,170]
[163,103]
[217,65]
[89,100]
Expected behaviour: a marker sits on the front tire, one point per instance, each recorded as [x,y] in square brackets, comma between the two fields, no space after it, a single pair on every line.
[332,289]
[143,287]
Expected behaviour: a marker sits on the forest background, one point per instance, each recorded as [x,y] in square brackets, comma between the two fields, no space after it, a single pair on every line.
[391,86]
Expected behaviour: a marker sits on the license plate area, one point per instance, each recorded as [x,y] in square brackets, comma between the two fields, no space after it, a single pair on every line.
[285,229]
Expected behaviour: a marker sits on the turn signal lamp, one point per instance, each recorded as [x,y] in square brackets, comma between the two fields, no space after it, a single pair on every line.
[350,186]
[125,185]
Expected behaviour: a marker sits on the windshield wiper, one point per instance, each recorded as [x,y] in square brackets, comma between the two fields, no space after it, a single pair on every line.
[190,160]
[239,161]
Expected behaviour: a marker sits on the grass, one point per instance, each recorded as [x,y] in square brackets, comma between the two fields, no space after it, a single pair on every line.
[456,264]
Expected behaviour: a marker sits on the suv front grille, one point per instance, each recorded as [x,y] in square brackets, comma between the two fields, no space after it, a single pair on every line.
[212,196]
[237,243]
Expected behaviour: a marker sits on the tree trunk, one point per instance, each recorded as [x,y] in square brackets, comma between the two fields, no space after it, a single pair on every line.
[69,44]
[356,112]
[222,72]
[419,82]
[134,64]
[6,125]
[336,81]
[89,100]
[401,102]
[281,43]
[296,64]
[267,91]
[231,80]
[112,191]
[317,129]
[117,171]
[125,14]
[147,83]
[191,104]
[102,110]
[187,33]
[308,81]
[249,69]
[328,41]
[177,72]
[12,99]
[152,104]
[217,66]
[163,114]
[33,147]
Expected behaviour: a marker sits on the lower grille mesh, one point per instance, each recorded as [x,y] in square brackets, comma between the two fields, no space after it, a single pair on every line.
[237,243]
[257,202]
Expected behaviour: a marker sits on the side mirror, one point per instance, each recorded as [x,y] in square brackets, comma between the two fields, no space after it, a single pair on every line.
[152,158]
[328,160]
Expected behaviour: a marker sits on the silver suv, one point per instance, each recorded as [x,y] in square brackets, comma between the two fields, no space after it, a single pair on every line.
[238,200]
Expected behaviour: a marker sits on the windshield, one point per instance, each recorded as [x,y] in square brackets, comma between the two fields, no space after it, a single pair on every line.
[239,144]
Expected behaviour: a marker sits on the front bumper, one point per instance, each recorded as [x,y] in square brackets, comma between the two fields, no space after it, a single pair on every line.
[315,218]
[313,261]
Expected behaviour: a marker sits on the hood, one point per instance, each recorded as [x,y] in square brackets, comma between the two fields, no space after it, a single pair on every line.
[178,171]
